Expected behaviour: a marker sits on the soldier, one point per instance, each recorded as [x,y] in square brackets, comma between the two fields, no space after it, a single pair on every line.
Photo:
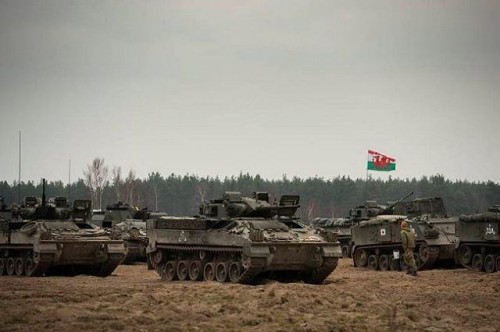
[408,241]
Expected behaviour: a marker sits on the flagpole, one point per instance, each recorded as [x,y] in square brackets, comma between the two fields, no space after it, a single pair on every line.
[69,180]
[19,178]
[366,184]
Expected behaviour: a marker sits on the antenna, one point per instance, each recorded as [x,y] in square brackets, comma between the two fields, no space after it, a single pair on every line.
[69,181]
[19,179]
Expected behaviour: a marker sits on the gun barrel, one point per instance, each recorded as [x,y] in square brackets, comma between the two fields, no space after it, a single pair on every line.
[390,207]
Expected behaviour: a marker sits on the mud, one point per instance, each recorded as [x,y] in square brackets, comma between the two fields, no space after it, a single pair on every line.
[352,299]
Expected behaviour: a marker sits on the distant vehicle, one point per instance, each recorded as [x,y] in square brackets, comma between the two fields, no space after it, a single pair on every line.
[128,223]
[97,217]
[339,226]
[5,212]
[240,239]
[479,240]
[51,238]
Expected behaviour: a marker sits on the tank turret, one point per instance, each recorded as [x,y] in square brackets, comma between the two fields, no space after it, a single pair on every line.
[233,205]
[371,209]
[432,207]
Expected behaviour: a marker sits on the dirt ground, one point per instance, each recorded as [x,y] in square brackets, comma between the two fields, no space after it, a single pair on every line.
[352,299]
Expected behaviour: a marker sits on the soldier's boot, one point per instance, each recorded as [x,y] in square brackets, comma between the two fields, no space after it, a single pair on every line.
[408,270]
[414,272]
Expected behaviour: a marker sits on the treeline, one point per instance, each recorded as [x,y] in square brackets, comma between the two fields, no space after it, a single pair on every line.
[181,195]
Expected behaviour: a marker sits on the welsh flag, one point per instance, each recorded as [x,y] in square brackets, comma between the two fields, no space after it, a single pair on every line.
[380,162]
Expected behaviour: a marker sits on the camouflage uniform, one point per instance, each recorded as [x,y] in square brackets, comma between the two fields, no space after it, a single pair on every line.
[408,241]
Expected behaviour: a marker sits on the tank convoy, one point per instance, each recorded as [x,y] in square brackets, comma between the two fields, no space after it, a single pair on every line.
[51,238]
[240,239]
[478,246]
[123,221]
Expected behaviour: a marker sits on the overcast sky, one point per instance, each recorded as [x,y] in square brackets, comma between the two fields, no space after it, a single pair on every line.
[302,88]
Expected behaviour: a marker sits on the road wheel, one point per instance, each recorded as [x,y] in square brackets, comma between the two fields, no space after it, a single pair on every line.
[477,262]
[418,261]
[465,255]
[402,264]
[19,266]
[425,252]
[170,271]
[360,257]
[2,266]
[383,263]
[221,272]
[11,266]
[394,264]
[209,272]
[158,257]
[182,270]
[490,263]
[498,263]
[195,271]
[345,251]
[235,270]
[373,262]
[29,267]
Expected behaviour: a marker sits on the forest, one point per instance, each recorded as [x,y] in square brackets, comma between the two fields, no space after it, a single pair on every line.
[181,195]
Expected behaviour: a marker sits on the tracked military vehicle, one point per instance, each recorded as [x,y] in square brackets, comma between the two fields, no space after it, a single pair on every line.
[50,238]
[376,240]
[342,226]
[123,221]
[5,212]
[339,226]
[479,240]
[430,215]
[240,239]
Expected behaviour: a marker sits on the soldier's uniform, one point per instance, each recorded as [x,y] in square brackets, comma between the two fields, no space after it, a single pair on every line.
[408,241]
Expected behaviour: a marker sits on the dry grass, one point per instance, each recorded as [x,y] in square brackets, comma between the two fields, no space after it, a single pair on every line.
[134,299]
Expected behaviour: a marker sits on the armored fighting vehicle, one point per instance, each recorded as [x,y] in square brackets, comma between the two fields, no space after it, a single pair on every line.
[430,215]
[123,221]
[239,239]
[97,217]
[50,238]
[5,212]
[479,241]
[340,226]
[376,241]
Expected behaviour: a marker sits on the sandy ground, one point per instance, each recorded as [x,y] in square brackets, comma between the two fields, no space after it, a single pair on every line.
[352,299]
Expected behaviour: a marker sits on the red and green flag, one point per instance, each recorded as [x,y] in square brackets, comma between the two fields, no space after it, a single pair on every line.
[380,162]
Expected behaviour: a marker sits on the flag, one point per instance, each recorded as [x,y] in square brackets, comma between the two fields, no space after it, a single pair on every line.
[380,162]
